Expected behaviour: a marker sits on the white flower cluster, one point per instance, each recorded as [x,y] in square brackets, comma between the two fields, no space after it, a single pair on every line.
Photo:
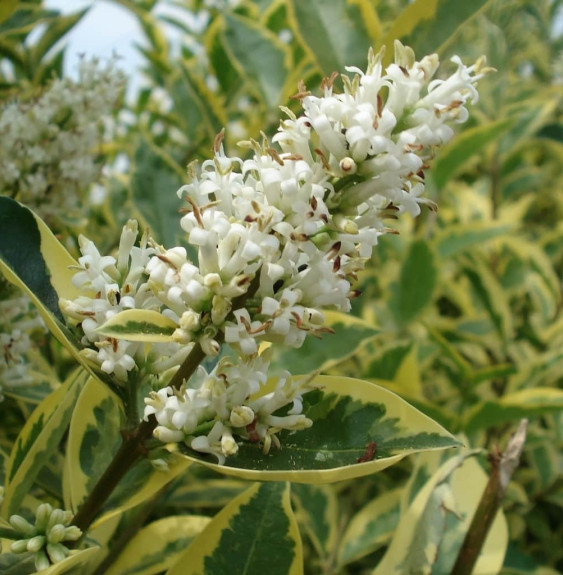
[49,144]
[18,319]
[112,285]
[46,538]
[291,228]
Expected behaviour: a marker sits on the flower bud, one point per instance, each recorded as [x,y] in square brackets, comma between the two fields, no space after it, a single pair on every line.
[19,546]
[72,533]
[57,552]
[41,561]
[21,525]
[56,533]
[36,543]
[241,416]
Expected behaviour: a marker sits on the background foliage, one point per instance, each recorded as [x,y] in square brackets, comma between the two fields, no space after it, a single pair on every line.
[461,312]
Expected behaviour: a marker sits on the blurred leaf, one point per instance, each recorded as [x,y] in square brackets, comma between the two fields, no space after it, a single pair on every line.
[155,180]
[416,283]
[7,8]
[464,146]
[427,25]
[457,238]
[371,527]
[317,511]
[256,533]
[76,564]
[56,29]
[337,33]
[157,546]
[524,403]
[39,439]
[492,296]
[261,57]
[432,529]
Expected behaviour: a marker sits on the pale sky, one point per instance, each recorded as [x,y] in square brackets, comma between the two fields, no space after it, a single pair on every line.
[106,29]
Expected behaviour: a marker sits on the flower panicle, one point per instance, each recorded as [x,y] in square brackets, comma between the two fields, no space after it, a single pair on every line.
[300,217]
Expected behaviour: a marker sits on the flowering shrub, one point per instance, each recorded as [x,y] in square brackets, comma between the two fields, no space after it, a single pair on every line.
[229,340]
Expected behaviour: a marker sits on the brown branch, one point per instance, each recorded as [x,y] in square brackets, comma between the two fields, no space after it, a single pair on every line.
[503,467]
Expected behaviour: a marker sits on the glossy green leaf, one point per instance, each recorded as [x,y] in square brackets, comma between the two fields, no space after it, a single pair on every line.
[94,438]
[139,325]
[428,25]
[260,56]
[337,33]
[350,334]
[524,403]
[431,531]
[352,420]
[209,493]
[39,439]
[154,182]
[317,511]
[473,141]
[416,283]
[371,527]
[256,533]
[33,259]
[157,546]
[92,441]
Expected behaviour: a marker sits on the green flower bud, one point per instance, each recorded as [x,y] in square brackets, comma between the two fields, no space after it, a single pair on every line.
[72,533]
[36,543]
[42,516]
[57,516]
[41,561]
[57,552]
[19,546]
[21,525]
[56,534]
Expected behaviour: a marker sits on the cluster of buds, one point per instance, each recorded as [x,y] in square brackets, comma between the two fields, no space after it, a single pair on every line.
[46,537]
[297,223]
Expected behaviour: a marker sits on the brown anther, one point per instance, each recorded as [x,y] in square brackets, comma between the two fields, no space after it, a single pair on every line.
[379,105]
[391,231]
[293,158]
[328,82]
[299,237]
[302,91]
[354,294]
[98,295]
[196,211]
[336,264]
[242,281]
[314,203]
[114,344]
[218,140]
[273,153]
[420,174]
[321,155]
[404,71]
